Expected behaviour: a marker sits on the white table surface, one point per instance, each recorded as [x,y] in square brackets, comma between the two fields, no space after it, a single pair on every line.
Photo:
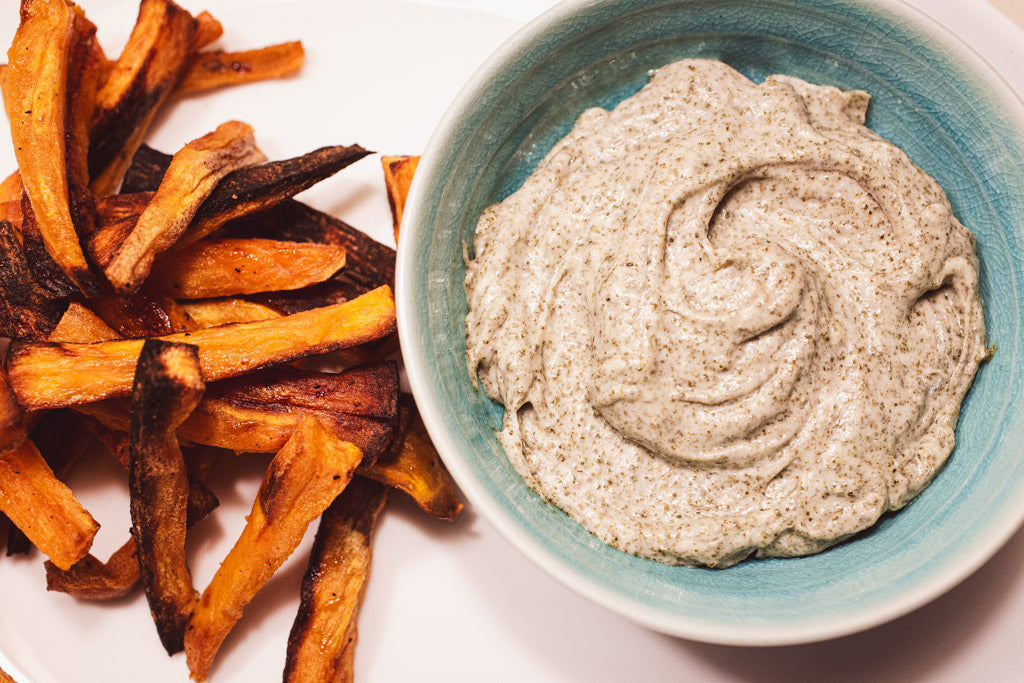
[455,602]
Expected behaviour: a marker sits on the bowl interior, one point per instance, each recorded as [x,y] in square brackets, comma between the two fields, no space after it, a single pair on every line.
[930,96]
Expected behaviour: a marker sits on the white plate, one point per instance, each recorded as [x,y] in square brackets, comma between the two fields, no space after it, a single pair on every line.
[445,601]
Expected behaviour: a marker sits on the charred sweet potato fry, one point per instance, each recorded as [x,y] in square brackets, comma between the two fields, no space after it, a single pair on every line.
[45,270]
[27,311]
[227,267]
[168,385]
[339,565]
[193,174]
[301,481]
[50,61]
[213,312]
[91,579]
[141,313]
[149,68]
[44,508]
[247,190]
[412,465]
[53,375]
[216,69]
[258,413]
[398,172]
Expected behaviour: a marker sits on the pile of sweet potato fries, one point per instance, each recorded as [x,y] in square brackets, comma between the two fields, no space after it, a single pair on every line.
[172,308]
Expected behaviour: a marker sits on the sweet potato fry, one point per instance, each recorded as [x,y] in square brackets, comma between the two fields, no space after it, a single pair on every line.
[79,324]
[208,29]
[141,313]
[50,61]
[301,482]
[45,270]
[258,413]
[167,387]
[12,423]
[149,68]
[120,207]
[193,174]
[214,312]
[247,190]
[339,565]
[91,579]
[44,508]
[11,212]
[27,311]
[226,267]
[52,375]
[412,465]
[210,70]
[398,172]
[11,187]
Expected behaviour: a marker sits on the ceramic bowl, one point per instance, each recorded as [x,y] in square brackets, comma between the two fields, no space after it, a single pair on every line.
[932,96]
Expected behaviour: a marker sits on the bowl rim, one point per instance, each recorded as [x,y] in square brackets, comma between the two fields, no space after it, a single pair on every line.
[681,625]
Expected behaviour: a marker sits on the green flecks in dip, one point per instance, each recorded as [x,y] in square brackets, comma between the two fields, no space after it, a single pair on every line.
[725,318]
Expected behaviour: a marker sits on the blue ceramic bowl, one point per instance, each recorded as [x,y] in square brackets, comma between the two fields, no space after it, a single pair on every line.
[932,96]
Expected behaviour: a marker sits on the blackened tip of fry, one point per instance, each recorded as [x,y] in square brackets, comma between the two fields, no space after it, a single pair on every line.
[27,311]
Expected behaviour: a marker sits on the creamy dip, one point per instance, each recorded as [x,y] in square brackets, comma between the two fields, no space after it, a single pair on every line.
[725,318]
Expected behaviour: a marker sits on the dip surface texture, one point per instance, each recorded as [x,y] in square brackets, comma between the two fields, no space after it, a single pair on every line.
[725,318]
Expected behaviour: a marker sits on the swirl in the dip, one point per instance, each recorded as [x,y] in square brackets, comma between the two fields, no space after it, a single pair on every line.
[725,318]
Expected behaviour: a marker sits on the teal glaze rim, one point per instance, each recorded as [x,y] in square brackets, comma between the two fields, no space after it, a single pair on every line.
[412,311]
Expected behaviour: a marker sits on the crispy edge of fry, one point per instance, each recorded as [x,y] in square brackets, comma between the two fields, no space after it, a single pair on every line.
[229,267]
[398,173]
[332,587]
[301,481]
[193,174]
[37,95]
[215,69]
[149,67]
[43,507]
[214,312]
[52,375]
[168,385]
[413,466]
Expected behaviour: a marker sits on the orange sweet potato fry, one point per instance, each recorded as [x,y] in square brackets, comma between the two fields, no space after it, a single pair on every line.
[412,465]
[301,481]
[227,267]
[44,508]
[193,174]
[332,587]
[398,172]
[11,187]
[208,29]
[12,421]
[168,385]
[79,324]
[213,312]
[47,85]
[149,68]
[52,375]
[216,69]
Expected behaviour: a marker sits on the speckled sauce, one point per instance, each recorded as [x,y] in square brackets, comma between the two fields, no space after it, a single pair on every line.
[725,318]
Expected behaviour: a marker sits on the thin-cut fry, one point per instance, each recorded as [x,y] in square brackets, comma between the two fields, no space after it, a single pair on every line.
[193,174]
[412,465]
[167,387]
[52,375]
[44,508]
[210,70]
[398,172]
[214,312]
[301,482]
[339,565]
[227,267]
[208,29]
[27,311]
[149,68]
[48,61]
